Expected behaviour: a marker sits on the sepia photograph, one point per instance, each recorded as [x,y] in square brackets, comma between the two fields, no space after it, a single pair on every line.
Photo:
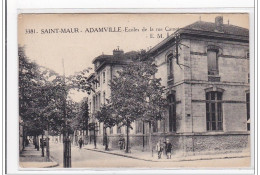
[134,90]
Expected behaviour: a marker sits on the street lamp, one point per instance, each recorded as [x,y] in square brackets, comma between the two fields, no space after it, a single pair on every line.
[66,140]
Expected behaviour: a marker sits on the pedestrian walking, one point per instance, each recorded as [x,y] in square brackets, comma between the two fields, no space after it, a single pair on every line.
[80,143]
[159,149]
[168,149]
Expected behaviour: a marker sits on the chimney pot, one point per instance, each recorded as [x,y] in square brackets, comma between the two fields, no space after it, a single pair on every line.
[219,24]
[117,52]
[219,21]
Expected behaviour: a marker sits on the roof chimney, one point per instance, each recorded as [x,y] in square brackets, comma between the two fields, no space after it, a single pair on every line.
[117,52]
[219,23]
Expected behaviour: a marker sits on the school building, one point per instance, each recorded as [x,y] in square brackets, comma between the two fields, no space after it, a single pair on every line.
[205,68]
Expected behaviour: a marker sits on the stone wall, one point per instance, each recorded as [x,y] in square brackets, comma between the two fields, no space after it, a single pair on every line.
[189,144]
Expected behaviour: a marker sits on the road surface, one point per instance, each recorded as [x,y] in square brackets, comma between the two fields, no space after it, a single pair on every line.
[82,158]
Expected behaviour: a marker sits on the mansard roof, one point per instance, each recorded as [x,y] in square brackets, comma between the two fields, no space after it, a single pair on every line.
[211,27]
[118,58]
[205,30]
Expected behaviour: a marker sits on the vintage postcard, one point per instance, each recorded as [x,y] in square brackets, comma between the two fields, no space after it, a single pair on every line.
[134,90]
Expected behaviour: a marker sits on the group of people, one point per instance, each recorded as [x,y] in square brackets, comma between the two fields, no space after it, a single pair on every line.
[164,147]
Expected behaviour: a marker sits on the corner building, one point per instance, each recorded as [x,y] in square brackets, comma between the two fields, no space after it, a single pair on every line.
[205,69]
[105,67]
[207,81]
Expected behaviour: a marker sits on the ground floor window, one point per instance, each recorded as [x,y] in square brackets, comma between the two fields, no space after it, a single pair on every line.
[172,112]
[155,126]
[139,126]
[214,111]
[118,130]
[111,130]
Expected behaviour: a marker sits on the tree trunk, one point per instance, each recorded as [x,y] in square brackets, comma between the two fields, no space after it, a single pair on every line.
[127,138]
[48,144]
[37,142]
[143,136]
[42,145]
[74,137]
[150,136]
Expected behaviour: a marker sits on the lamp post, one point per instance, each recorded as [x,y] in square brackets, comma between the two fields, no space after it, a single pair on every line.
[66,140]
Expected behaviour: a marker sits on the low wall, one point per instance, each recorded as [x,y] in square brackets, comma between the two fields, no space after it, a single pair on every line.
[188,144]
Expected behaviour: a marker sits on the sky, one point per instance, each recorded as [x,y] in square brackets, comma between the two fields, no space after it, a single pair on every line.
[78,49]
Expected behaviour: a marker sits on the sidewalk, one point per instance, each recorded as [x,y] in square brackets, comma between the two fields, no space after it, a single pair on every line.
[176,157]
[31,158]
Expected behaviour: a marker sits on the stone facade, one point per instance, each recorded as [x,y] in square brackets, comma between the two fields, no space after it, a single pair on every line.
[207,75]
[191,81]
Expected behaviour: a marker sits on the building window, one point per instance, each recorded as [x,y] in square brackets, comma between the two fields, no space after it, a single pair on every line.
[155,126]
[89,107]
[139,126]
[170,66]
[111,130]
[99,127]
[172,112]
[104,97]
[99,101]
[93,85]
[214,111]
[118,130]
[212,62]
[94,104]
[248,110]
[104,77]
[98,81]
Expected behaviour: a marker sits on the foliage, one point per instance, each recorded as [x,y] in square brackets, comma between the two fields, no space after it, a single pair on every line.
[41,96]
[79,81]
[80,119]
[136,94]
[106,116]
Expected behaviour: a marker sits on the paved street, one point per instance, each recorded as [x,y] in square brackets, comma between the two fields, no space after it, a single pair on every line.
[86,159]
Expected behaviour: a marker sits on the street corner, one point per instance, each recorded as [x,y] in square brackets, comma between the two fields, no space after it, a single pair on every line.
[38,164]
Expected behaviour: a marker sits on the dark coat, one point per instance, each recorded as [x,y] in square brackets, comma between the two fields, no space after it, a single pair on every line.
[168,147]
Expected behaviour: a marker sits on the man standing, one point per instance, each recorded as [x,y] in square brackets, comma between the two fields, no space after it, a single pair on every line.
[159,149]
[168,149]
[80,143]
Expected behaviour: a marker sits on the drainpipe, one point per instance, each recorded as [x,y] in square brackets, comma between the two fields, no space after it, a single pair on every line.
[191,107]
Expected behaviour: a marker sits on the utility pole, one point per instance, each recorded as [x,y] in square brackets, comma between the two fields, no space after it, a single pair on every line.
[66,139]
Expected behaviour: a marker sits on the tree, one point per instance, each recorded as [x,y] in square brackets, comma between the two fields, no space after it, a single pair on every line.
[40,96]
[136,94]
[106,116]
